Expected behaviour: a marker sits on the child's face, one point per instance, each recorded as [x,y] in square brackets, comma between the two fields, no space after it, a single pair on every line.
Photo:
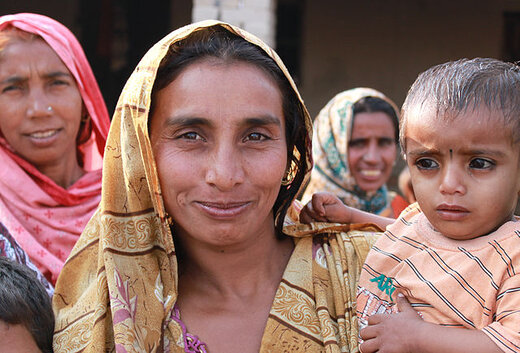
[465,172]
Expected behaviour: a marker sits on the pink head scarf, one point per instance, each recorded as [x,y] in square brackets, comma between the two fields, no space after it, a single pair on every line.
[46,219]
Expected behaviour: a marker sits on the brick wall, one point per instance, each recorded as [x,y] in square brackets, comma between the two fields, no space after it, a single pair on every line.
[255,16]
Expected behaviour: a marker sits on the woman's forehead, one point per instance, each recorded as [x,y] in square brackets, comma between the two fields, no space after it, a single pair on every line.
[219,93]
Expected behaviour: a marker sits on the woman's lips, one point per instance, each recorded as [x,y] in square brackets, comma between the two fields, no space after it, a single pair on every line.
[452,212]
[43,138]
[370,174]
[223,210]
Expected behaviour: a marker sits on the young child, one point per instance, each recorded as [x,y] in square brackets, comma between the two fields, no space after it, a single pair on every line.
[454,254]
[26,317]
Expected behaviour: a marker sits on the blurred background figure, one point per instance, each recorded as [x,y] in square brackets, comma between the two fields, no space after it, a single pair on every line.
[354,149]
[53,128]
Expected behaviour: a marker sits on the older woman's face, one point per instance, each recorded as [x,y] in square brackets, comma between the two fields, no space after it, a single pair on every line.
[372,150]
[218,136]
[32,79]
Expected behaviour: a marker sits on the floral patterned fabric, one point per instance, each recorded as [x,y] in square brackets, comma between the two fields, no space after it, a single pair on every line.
[332,130]
[118,289]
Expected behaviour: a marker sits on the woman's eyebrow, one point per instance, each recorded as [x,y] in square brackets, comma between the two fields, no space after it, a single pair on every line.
[263,120]
[184,121]
[56,74]
[18,79]
[13,79]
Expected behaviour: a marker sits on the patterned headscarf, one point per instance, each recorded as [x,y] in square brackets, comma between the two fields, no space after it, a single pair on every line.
[128,237]
[332,130]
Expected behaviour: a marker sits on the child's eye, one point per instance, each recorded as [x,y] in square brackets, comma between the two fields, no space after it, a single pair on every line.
[481,163]
[426,164]
[256,136]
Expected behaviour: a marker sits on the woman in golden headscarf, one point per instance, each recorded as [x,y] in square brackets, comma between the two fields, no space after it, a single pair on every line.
[354,149]
[208,147]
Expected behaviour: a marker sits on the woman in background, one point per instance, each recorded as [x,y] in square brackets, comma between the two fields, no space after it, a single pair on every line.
[53,128]
[354,150]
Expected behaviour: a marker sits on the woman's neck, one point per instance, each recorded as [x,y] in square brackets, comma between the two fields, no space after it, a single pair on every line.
[239,271]
[63,173]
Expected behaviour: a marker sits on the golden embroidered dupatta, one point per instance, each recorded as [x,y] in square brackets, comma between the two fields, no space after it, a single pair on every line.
[119,285]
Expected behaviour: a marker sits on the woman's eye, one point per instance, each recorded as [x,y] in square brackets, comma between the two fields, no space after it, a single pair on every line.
[10,88]
[59,82]
[190,136]
[359,143]
[384,142]
[426,164]
[481,163]
[256,136]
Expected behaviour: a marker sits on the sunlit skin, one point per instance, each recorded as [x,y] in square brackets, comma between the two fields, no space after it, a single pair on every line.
[223,161]
[218,137]
[16,338]
[459,167]
[465,173]
[33,78]
[371,150]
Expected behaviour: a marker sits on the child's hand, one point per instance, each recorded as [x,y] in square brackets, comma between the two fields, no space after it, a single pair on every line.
[325,207]
[392,332]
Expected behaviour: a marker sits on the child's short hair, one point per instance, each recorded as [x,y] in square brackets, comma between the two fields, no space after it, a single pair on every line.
[24,300]
[458,86]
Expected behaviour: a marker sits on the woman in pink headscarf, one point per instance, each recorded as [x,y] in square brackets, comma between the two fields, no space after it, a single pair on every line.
[53,128]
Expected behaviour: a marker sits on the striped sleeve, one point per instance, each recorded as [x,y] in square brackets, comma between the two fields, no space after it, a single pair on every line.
[505,328]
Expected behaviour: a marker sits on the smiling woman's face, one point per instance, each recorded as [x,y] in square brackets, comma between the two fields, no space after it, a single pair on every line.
[40,104]
[218,136]
[372,150]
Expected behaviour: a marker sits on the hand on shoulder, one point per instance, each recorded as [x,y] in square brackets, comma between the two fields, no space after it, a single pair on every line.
[325,207]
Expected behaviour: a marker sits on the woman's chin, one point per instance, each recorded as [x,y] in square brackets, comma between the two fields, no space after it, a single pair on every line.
[370,186]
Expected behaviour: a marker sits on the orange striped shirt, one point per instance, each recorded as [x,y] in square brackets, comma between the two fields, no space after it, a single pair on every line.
[460,283]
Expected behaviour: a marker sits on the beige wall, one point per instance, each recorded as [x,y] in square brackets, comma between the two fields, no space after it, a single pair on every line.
[385,44]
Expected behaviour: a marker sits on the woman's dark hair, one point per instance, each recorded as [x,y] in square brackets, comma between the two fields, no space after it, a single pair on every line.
[219,43]
[377,105]
[24,301]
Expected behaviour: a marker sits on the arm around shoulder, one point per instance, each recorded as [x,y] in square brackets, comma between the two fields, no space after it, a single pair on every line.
[327,207]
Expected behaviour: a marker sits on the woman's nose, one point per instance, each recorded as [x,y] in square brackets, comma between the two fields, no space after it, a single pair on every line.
[225,168]
[38,104]
[372,153]
[452,181]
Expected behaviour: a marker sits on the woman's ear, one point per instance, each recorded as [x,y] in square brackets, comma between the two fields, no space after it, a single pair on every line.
[84,110]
